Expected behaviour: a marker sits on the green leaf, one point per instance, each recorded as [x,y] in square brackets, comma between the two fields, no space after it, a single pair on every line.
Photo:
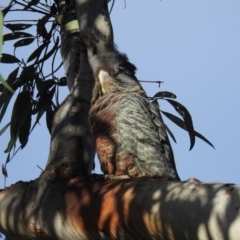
[41,29]
[17,26]
[1,32]
[187,119]
[4,128]
[11,143]
[6,95]
[203,138]
[41,87]
[16,35]
[27,75]
[23,42]
[156,106]
[164,94]
[7,58]
[170,133]
[49,118]
[62,81]
[43,104]
[25,128]
[179,122]
[36,53]
[50,53]
[3,99]
[12,76]
[5,105]
[5,84]
[10,80]
[21,109]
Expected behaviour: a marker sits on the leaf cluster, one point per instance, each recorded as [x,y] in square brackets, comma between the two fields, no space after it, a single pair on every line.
[33,86]
[185,123]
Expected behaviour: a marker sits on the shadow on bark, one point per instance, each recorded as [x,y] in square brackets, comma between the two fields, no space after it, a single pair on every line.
[151,209]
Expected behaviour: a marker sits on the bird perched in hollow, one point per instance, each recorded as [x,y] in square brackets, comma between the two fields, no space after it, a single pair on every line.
[130,138]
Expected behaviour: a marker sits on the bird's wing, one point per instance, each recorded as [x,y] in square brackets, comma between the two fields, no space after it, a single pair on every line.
[142,135]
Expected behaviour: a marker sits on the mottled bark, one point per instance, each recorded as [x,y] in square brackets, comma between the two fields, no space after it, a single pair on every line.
[71,139]
[79,209]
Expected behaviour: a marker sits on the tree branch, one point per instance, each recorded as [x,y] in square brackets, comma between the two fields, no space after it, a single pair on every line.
[53,207]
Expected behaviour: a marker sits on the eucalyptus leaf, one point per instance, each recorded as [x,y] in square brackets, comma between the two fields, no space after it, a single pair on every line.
[16,35]
[165,94]
[179,122]
[43,103]
[5,105]
[17,26]
[11,143]
[41,29]
[23,42]
[8,58]
[25,128]
[50,53]
[62,81]
[187,119]
[20,111]
[4,128]
[170,133]
[204,139]
[12,76]
[27,75]
[36,53]
[5,84]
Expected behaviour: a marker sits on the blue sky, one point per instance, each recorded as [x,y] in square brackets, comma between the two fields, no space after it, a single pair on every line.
[194,47]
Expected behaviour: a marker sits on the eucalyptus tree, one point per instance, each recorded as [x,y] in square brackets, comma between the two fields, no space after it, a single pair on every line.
[66,201]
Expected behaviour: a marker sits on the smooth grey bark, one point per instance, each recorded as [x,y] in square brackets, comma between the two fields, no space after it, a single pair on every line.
[71,139]
[52,207]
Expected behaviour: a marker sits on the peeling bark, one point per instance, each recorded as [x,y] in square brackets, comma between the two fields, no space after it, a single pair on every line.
[53,207]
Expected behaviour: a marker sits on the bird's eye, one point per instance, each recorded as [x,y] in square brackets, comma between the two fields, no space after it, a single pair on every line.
[121,70]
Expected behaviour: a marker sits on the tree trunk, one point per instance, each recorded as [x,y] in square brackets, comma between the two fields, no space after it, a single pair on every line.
[71,140]
[66,203]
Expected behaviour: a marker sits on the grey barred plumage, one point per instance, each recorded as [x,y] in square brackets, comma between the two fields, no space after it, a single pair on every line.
[129,133]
